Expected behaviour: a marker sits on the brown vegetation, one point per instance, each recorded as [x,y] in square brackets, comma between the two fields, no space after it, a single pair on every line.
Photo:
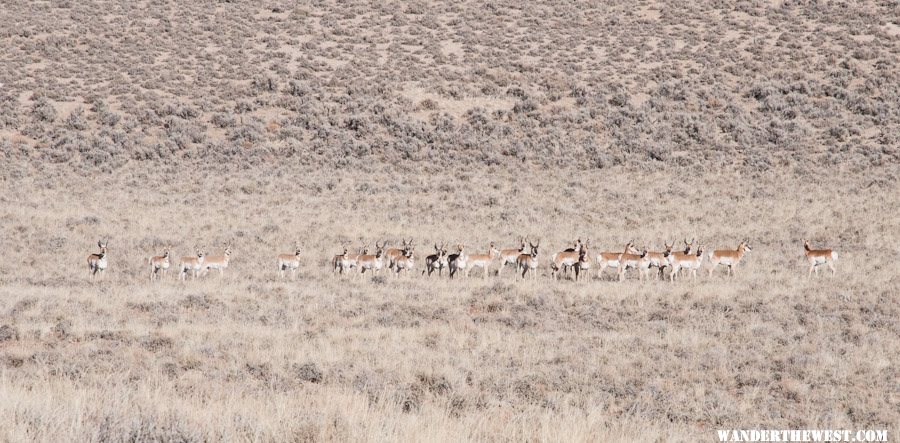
[196,124]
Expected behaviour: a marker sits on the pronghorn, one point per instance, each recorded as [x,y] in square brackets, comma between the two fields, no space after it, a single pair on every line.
[728,257]
[219,262]
[529,262]
[193,263]
[576,248]
[584,260]
[97,262]
[509,256]
[347,261]
[406,262]
[565,259]
[628,260]
[159,264]
[394,254]
[483,260]
[436,261]
[611,259]
[658,260]
[374,262]
[457,262]
[689,262]
[817,257]
[688,252]
[289,261]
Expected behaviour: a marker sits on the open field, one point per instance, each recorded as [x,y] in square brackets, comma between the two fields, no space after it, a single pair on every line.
[270,123]
[252,356]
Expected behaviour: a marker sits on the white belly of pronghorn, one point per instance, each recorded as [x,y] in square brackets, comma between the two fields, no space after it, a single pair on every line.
[376,265]
[288,264]
[727,261]
[609,263]
[568,261]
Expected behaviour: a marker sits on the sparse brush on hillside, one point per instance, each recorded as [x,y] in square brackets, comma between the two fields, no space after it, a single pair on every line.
[746,86]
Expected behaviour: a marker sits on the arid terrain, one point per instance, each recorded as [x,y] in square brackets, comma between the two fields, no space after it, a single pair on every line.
[265,124]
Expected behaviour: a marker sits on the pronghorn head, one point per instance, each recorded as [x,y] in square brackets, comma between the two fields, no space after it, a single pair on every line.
[200,253]
[102,245]
[228,249]
[522,241]
[460,247]
[166,251]
[630,249]
[700,250]
[806,245]
[744,246]
[582,253]
[297,249]
[668,250]
[688,247]
[379,249]
[534,248]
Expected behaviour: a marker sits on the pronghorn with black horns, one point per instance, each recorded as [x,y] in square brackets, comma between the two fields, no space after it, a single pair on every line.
[159,264]
[658,260]
[529,262]
[98,262]
[436,261]
[690,262]
[483,261]
[817,257]
[405,263]
[728,257]
[563,260]
[687,254]
[289,261]
[457,262]
[584,260]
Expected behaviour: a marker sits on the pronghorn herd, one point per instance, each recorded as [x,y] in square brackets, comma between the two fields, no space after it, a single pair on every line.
[675,264]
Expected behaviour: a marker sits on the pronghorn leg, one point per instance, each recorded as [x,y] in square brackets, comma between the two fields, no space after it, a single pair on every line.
[831,265]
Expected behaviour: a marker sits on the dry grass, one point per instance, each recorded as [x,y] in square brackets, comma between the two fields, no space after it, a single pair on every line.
[196,123]
[250,356]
